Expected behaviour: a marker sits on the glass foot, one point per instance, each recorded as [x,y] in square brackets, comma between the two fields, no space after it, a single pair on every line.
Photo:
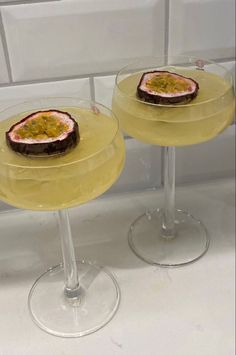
[189,243]
[98,300]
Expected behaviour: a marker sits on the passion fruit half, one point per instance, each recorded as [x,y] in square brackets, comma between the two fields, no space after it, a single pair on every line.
[43,133]
[164,87]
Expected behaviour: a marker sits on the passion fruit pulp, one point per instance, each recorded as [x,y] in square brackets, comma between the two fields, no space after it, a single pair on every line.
[164,87]
[43,133]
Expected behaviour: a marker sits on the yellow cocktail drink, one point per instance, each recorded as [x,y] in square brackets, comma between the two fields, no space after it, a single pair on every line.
[58,182]
[57,153]
[172,101]
[180,124]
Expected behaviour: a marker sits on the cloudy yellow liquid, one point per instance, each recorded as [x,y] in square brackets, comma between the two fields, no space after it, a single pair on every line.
[177,125]
[53,183]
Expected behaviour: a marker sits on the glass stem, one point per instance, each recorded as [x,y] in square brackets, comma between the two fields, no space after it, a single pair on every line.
[71,289]
[168,224]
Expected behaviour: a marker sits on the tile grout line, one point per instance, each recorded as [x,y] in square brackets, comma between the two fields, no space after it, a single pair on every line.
[167,24]
[82,76]
[5,48]
[24,2]
[55,79]
[224,60]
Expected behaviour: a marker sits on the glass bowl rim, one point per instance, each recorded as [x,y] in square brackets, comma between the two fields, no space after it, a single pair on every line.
[81,100]
[187,105]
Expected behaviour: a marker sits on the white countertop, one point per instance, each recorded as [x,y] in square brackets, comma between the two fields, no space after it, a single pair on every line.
[181,311]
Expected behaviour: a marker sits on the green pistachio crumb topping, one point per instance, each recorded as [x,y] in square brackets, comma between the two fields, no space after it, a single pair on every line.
[42,127]
[167,83]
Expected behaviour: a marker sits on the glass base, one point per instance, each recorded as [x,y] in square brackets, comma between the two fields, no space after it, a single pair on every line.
[98,300]
[189,243]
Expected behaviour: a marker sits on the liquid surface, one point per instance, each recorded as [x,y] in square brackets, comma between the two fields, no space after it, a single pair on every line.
[67,180]
[198,121]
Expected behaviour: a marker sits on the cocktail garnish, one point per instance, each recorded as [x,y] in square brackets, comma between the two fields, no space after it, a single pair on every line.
[164,87]
[48,132]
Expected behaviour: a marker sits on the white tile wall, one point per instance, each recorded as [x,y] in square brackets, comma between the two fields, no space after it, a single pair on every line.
[202,27]
[3,68]
[13,94]
[80,37]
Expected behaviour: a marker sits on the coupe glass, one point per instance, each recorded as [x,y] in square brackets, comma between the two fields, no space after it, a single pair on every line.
[74,298]
[168,236]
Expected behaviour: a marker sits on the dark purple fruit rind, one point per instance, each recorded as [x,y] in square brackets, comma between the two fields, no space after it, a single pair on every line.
[45,148]
[163,100]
